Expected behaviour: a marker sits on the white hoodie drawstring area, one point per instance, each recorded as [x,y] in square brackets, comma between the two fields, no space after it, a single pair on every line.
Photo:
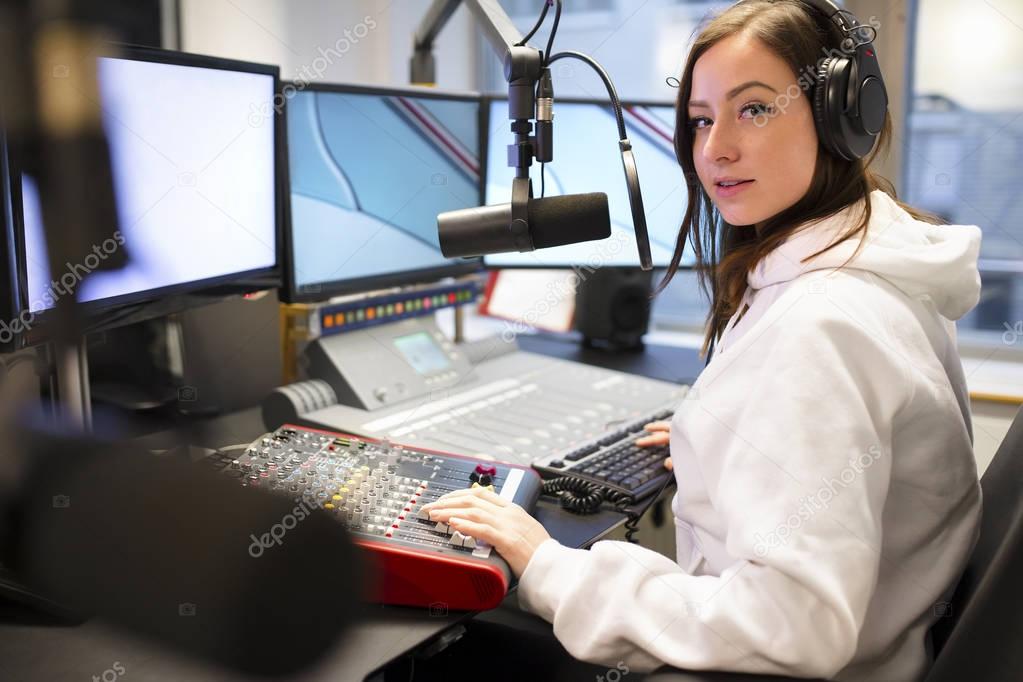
[827,488]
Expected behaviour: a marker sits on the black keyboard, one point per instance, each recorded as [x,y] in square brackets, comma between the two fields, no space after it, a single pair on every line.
[616,462]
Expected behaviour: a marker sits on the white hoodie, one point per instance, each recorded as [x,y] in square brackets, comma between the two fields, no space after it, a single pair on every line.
[827,489]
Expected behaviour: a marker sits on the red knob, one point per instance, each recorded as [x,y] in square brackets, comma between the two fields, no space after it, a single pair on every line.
[482,469]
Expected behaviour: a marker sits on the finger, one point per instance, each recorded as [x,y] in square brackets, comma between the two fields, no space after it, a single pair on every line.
[654,439]
[658,426]
[460,502]
[480,531]
[474,514]
[463,498]
[668,465]
[482,492]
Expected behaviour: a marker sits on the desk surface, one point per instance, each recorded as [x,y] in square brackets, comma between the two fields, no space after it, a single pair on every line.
[33,648]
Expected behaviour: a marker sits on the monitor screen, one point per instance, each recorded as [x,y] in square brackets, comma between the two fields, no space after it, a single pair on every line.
[193,154]
[370,170]
[587,159]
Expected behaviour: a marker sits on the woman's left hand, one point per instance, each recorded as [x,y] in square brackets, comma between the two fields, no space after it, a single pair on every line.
[504,525]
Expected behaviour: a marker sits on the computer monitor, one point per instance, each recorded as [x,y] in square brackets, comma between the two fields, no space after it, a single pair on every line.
[370,170]
[197,158]
[587,159]
[8,261]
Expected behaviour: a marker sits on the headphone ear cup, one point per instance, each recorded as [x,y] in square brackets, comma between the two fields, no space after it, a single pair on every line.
[828,97]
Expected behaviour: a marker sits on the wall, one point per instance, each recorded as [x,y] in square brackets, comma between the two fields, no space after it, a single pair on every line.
[362,41]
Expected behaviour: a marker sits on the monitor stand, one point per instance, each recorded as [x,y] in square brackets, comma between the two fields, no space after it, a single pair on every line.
[73,406]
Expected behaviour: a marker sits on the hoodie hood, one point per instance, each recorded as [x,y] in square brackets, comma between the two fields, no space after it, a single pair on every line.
[922,260]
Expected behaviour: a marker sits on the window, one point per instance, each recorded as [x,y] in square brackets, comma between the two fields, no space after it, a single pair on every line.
[964,140]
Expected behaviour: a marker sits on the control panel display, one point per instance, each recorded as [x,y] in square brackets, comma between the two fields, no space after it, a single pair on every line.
[422,353]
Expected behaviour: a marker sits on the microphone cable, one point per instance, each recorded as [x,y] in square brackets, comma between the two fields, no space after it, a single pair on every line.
[546,60]
[536,26]
[539,22]
[611,92]
[554,30]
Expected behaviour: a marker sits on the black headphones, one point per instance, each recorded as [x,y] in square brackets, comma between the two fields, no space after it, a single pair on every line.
[849,96]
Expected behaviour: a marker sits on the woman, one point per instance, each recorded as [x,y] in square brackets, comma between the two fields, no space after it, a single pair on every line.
[827,491]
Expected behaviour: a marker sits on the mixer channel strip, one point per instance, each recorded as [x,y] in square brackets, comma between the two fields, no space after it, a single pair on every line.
[376,489]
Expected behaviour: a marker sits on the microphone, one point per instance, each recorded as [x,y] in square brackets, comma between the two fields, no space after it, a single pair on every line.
[552,221]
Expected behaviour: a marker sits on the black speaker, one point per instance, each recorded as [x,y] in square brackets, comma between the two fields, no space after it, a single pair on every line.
[612,307]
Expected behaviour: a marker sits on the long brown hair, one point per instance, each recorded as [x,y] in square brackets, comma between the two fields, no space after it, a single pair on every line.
[801,37]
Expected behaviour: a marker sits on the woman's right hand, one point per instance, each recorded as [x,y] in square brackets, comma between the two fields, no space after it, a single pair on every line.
[660,434]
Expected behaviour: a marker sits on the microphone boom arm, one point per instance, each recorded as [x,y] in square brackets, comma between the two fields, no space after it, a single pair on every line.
[523,66]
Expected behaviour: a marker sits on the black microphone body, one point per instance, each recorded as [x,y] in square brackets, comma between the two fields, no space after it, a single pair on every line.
[553,221]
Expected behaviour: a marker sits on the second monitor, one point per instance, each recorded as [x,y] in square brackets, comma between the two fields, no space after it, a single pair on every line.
[587,159]
[370,170]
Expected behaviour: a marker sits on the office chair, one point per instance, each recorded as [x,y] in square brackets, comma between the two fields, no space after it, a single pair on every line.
[980,640]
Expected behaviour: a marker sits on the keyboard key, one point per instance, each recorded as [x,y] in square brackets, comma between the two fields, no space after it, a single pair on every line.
[645,475]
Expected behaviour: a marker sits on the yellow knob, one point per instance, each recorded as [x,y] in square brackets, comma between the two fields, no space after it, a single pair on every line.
[328,506]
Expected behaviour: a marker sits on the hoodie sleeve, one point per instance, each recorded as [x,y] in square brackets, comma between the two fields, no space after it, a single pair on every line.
[792,436]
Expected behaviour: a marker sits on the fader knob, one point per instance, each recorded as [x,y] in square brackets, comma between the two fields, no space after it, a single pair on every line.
[484,474]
